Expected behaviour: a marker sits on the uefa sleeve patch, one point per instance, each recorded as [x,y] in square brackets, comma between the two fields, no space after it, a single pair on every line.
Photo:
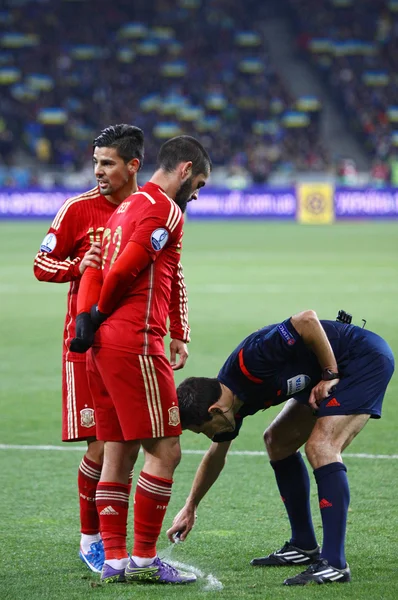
[286,335]
[49,243]
[159,238]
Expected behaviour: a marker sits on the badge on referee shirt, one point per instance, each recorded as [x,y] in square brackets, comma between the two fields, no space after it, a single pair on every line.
[297,384]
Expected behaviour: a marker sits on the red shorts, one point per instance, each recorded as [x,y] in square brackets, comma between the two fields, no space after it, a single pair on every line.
[135,396]
[78,419]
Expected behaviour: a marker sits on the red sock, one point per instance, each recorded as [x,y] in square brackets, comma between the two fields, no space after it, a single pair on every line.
[87,480]
[152,496]
[112,501]
[130,483]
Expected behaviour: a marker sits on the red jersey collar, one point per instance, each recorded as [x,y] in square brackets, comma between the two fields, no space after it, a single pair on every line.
[154,186]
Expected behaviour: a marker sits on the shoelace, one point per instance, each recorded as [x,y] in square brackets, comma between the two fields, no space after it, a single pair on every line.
[315,566]
[168,568]
[96,551]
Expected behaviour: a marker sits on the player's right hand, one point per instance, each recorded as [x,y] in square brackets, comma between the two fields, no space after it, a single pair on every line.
[183,523]
[84,336]
[92,258]
[97,317]
[178,347]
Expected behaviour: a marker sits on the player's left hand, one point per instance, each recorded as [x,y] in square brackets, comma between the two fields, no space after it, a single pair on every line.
[178,347]
[321,391]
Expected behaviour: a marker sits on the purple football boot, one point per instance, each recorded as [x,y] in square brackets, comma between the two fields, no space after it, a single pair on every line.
[111,575]
[157,572]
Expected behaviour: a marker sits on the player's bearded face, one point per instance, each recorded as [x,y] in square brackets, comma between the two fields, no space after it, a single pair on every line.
[184,194]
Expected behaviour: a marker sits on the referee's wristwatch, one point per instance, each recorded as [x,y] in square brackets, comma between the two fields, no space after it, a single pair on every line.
[328,375]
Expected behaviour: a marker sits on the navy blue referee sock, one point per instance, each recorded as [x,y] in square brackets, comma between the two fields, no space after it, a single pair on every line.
[294,487]
[334,499]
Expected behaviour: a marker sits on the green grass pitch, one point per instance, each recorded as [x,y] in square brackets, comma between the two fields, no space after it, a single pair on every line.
[240,276]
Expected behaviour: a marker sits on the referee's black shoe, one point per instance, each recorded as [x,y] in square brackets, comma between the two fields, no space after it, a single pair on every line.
[287,556]
[320,572]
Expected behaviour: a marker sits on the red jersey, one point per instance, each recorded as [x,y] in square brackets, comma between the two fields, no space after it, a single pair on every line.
[138,323]
[79,222]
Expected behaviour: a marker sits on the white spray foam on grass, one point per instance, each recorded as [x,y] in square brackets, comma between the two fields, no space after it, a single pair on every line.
[211,583]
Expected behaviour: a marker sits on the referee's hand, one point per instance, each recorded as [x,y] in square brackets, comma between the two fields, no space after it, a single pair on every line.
[321,391]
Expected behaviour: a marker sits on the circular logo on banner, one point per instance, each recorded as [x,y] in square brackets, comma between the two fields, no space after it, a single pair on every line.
[315,203]
[159,238]
[49,243]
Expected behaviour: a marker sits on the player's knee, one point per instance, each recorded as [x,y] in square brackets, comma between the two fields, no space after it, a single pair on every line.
[312,448]
[317,451]
[274,445]
[268,439]
[281,443]
[173,454]
[176,456]
[95,452]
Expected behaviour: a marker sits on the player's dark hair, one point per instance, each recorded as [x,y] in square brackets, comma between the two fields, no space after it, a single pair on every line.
[127,139]
[184,148]
[195,396]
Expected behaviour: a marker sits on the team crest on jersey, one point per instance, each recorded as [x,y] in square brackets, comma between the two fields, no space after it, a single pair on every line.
[297,384]
[87,417]
[159,238]
[174,416]
[49,243]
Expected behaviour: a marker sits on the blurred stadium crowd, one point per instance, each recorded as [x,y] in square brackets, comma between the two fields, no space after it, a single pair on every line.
[354,45]
[71,67]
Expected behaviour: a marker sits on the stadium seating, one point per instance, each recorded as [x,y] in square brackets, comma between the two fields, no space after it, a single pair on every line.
[354,45]
[196,67]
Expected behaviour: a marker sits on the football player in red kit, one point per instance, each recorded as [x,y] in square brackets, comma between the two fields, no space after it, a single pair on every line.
[70,246]
[130,378]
